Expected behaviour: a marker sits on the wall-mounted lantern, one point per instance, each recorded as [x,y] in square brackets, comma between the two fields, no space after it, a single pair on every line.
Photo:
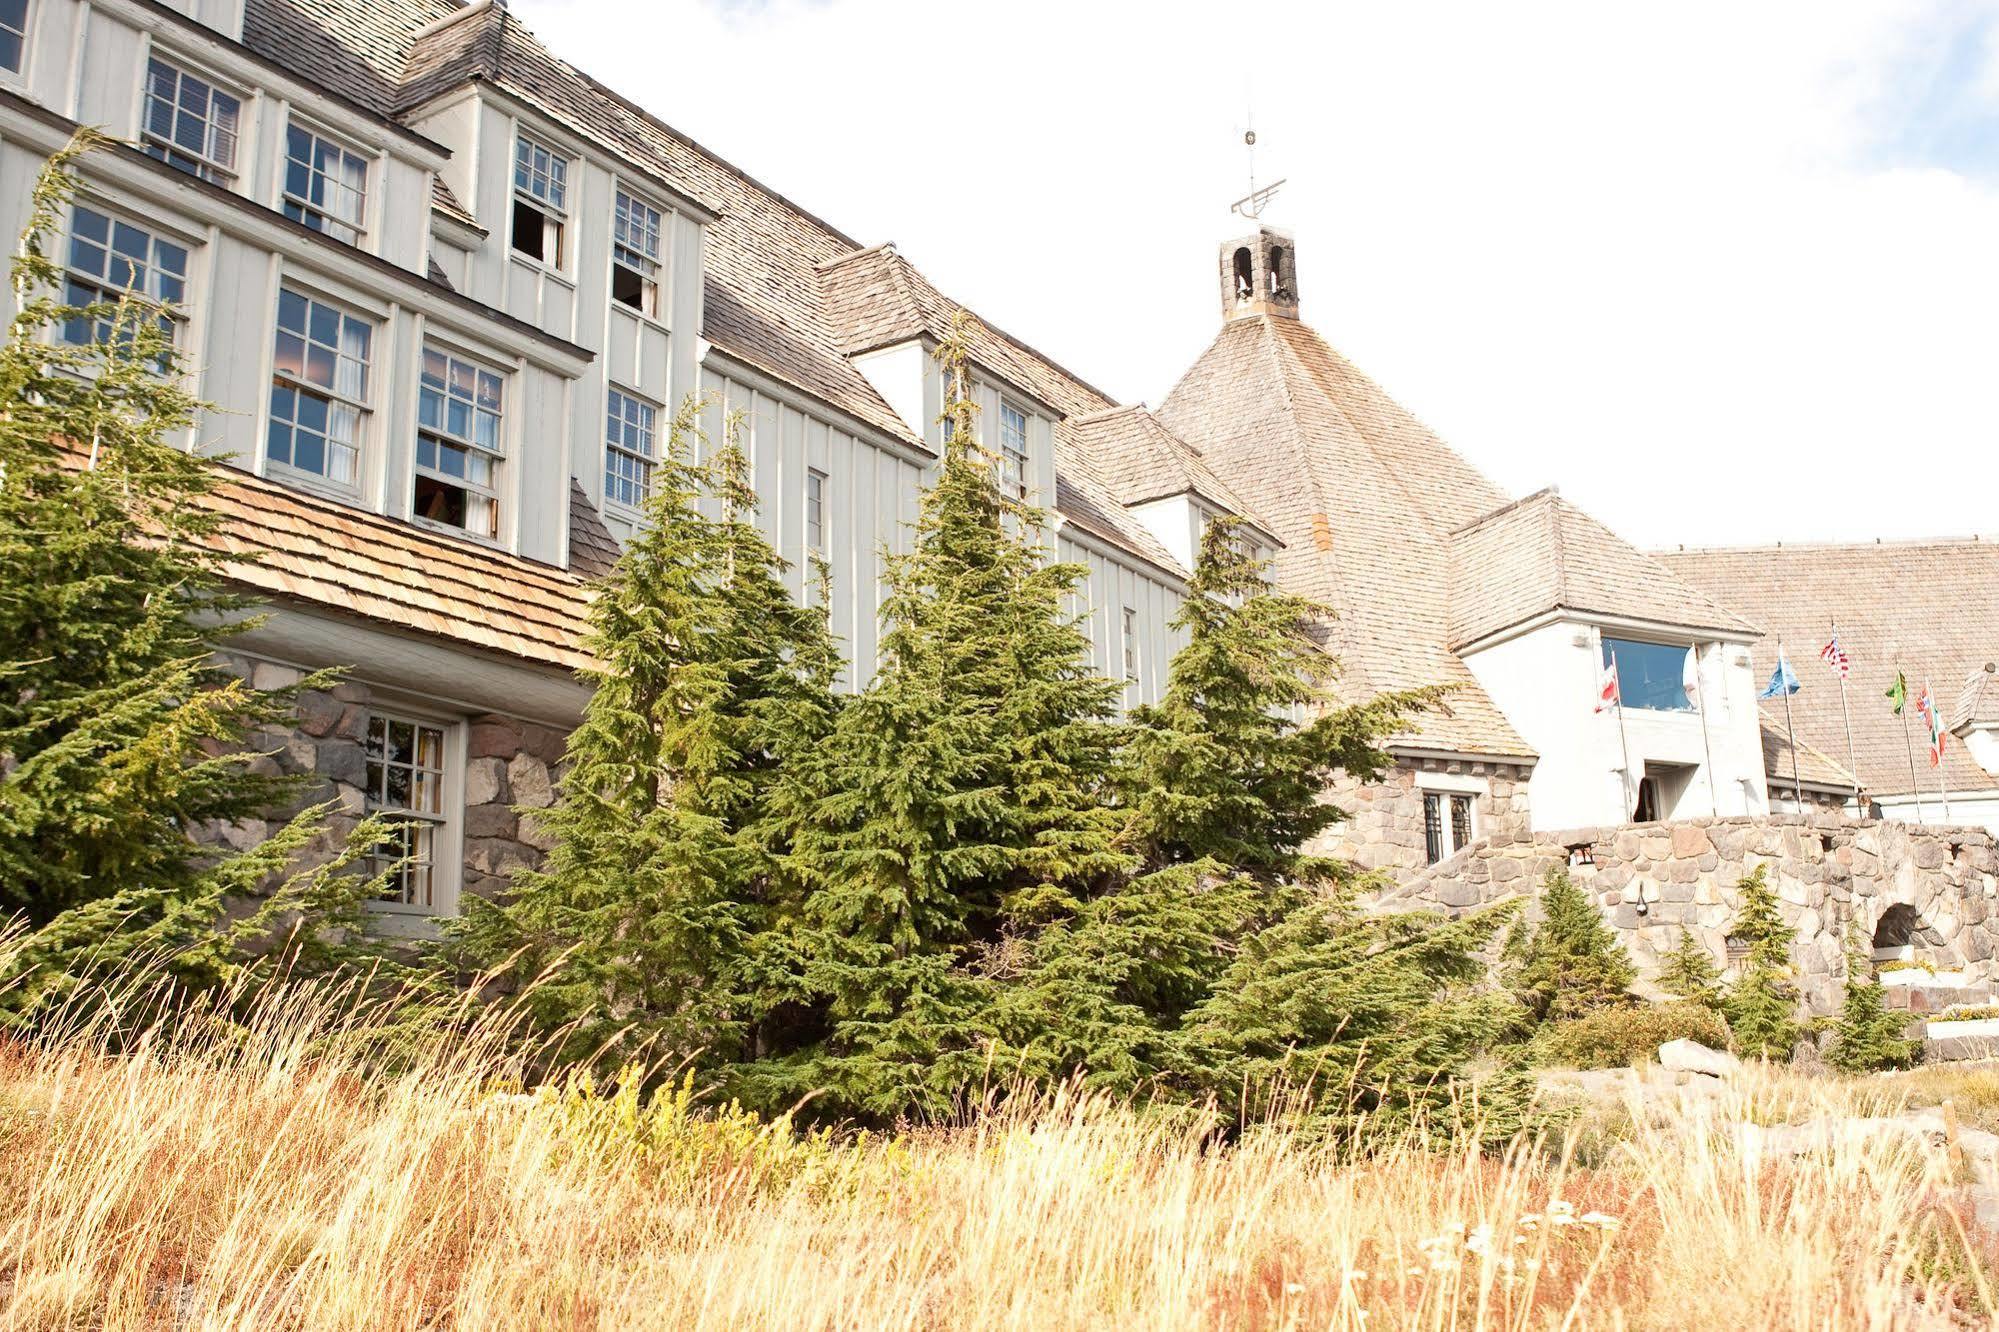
[1641,895]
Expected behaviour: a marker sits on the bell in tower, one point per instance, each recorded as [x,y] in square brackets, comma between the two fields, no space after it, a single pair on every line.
[1260,276]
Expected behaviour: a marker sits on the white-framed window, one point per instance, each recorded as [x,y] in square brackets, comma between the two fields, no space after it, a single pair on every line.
[1013,450]
[13,35]
[1448,821]
[635,254]
[109,258]
[460,410]
[190,123]
[1130,627]
[541,201]
[319,389]
[406,776]
[326,184]
[629,449]
[815,509]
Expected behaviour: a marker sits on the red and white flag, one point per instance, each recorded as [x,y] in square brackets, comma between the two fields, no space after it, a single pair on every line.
[1607,695]
[1927,706]
[1833,655]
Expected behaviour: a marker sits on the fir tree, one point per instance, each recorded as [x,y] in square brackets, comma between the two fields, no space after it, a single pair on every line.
[1761,1005]
[1689,972]
[636,933]
[1570,963]
[120,743]
[1867,1037]
[963,803]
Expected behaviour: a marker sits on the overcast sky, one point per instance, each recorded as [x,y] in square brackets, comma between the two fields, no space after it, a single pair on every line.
[1724,273]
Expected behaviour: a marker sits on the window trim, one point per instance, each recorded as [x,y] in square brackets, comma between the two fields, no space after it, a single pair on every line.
[1133,661]
[334,226]
[448,856]
[364,433]
[20,77]
[611,448]
[214,172]
[1445,788]
[653,283]
[496,493]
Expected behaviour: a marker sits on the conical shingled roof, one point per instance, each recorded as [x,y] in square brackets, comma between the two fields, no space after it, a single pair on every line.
[1365,498]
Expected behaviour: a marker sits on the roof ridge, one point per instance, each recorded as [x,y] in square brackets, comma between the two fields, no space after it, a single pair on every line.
[1879,543]
[1504,509]
[879,247]
[1558,541]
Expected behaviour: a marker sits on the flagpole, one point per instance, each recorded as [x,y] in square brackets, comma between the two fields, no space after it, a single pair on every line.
[1790,733]
[1700,706]
[1852,764]
[1624,745]
[1936,749]
[1909,748]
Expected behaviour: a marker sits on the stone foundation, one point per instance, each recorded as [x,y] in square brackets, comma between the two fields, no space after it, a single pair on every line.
[508,763]
[1655,880]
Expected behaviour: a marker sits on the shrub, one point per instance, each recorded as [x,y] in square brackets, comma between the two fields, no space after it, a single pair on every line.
[1616,1037]
[1689,972]
[1570,963]
[1762,1005]
[1867,1037]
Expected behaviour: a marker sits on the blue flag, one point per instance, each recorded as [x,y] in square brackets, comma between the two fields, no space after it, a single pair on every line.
[1781,680]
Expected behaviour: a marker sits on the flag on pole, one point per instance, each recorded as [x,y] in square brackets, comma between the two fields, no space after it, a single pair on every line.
[1690,678]
[1607,695]
[1927,706]
[1833,655]
[1782,682]
[1898,693]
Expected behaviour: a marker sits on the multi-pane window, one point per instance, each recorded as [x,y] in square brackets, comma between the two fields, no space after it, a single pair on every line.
[635,229]
[13,34]
[628,449]
[1447,824]
[815,509]
[110,258]
[1013,450]
[1131,645]
[458,444]
[319,388]
[326,185]
[190,123]
[541,201]
[405,767]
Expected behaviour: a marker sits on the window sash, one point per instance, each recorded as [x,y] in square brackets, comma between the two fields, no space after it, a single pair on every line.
[106,259]
[13,35]
[1461,817]
[189,122]
[815,509]
[541,175]
[451,391]
[1013,449]
[635,233]
[405,771]
[629,449]
[326,184]
[1131,645]
[319,389]
[1433,826]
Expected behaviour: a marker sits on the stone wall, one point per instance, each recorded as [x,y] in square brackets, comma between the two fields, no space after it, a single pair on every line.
[508,763]
[1384,826]
[1655,880]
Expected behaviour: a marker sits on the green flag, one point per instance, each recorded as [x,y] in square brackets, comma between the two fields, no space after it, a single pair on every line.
[1898,693]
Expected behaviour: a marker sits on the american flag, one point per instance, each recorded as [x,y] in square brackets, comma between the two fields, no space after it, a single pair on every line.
[1833,655]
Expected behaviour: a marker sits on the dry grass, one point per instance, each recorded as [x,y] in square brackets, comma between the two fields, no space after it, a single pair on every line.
[276,1183]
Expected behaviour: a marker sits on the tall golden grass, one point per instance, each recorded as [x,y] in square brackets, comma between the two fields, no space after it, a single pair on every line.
[282,1178]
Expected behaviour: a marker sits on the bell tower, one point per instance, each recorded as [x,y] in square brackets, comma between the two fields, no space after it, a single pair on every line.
[1259,276]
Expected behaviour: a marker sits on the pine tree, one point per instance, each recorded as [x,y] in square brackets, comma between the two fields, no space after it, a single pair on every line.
[120,743]
[634,938]
[1761,1005]
[1867,1037]
[1570,964]
[963,804]
[1690,973]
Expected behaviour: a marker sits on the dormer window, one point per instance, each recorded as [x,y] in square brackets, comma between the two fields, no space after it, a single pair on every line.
[190,123]
[541,201]
[326,186]
[1013,450]
[458,448]
[635,229]
[13,34]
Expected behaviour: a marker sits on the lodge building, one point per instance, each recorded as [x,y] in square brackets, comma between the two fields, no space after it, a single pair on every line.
[443,291]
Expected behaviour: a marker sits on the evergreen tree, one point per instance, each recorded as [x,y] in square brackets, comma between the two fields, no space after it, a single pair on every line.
[1690,973]
[1761,1006]
[635,935]
[1569,964]
[1867,1037]
[963,803]
[120,743]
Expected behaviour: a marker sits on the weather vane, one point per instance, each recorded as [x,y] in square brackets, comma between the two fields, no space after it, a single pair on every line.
[1251,205]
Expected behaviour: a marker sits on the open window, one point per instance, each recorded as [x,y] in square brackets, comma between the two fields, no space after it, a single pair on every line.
[459,449]
[635,255]
[191,123]
[541,202]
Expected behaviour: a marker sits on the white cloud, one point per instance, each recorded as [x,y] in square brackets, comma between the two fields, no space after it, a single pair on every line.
[1725,272]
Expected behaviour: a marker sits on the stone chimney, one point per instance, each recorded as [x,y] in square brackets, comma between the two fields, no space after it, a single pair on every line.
[1260,276]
